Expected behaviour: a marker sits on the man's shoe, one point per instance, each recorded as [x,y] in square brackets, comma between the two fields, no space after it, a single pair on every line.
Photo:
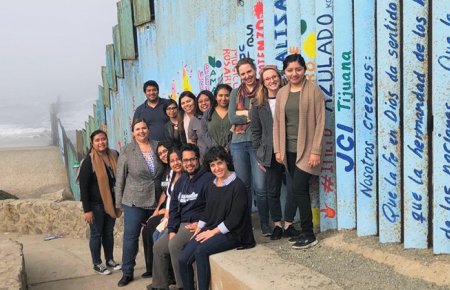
[147,274]
[112,264]
[266,230]
[124,281]
[305,242]
[101,269]
[277,233]
[291,232]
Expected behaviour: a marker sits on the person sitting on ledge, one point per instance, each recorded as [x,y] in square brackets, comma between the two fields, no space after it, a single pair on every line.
[225,225]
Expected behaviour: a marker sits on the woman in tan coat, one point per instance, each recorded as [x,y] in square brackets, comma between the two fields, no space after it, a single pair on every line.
[298,128]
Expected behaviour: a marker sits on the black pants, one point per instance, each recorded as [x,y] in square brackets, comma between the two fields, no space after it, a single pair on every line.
[147,233]
[300,190]
[274,178]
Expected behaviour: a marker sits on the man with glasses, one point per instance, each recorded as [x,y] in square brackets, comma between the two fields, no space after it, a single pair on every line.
[152,110]
[186,208]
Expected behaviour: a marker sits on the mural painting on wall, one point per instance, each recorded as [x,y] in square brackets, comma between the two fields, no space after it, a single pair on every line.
[308,48]
[210,76]
[280,30]
[325,77]
[185,82]
[230,75]
[259,14]
[244,49]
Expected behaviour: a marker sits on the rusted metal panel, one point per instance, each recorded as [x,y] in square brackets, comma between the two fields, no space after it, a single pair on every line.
[344,112]
[110,67]
[389,131]
[365,118]
[105,87]
[118,66]
[126,29]
[325,80]
[141,12]
[440,46]
[415,123]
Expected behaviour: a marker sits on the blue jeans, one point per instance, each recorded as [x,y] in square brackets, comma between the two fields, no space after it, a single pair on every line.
[132,223]
[101,234]
[199,253]
[247,169]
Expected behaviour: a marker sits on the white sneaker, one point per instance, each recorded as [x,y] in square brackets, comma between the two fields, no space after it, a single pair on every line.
[101,269]
[112,264]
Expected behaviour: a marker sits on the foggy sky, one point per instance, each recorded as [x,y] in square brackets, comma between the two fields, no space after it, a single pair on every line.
[51,49]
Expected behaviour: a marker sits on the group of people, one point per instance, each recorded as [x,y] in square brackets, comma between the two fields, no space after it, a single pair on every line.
[188,178]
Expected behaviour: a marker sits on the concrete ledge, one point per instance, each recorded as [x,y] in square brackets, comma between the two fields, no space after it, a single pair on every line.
[38,216]
[12,267]
[262,268]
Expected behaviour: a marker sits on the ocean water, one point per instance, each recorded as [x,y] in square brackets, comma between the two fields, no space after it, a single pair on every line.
[25,124]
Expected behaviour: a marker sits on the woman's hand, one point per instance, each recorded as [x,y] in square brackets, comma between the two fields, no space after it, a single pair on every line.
[278,158]
[204,236]
[197,230]
[314,160]
[191,227]
[89,217]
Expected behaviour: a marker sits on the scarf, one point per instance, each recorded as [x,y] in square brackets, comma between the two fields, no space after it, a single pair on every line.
[99,167]
[243,93]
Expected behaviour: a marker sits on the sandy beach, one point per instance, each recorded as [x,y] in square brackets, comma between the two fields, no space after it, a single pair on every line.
[29,172]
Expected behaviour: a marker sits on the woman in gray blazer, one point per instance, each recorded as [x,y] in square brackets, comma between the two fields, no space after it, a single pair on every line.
[138,181]
[262,113]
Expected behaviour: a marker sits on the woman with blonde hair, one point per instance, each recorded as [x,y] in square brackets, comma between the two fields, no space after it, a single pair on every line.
[262,113]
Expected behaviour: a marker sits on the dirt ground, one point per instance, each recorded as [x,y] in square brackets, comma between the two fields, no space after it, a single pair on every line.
[364,263]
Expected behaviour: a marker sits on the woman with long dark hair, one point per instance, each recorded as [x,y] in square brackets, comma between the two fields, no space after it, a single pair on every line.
[174,127]
[215,122]
[97,178]
[298,129]
[205,100]
[158,213]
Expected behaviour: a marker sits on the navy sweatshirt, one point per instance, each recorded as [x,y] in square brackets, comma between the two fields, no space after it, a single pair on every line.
[189,199]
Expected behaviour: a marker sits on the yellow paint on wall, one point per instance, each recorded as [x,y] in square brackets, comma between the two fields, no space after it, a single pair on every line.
[309,47]
[186,85]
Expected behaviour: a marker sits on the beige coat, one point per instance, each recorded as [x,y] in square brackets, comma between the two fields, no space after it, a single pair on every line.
[310,128]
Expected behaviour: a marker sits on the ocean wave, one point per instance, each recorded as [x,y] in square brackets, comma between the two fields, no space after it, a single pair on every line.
[8,131]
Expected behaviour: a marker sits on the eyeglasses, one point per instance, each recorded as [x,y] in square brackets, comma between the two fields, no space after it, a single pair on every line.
[271,79]
[190,160]
[171,108]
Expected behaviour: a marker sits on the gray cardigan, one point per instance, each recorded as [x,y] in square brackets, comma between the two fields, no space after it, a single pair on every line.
[135,184]
[262,133]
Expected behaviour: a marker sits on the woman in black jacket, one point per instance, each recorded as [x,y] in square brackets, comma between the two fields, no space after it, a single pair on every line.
[97,179]
[174,128]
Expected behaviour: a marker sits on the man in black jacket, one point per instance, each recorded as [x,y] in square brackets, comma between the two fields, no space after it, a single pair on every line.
[186,208]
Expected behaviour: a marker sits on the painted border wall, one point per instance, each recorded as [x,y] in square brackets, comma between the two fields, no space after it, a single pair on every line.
[384,69]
